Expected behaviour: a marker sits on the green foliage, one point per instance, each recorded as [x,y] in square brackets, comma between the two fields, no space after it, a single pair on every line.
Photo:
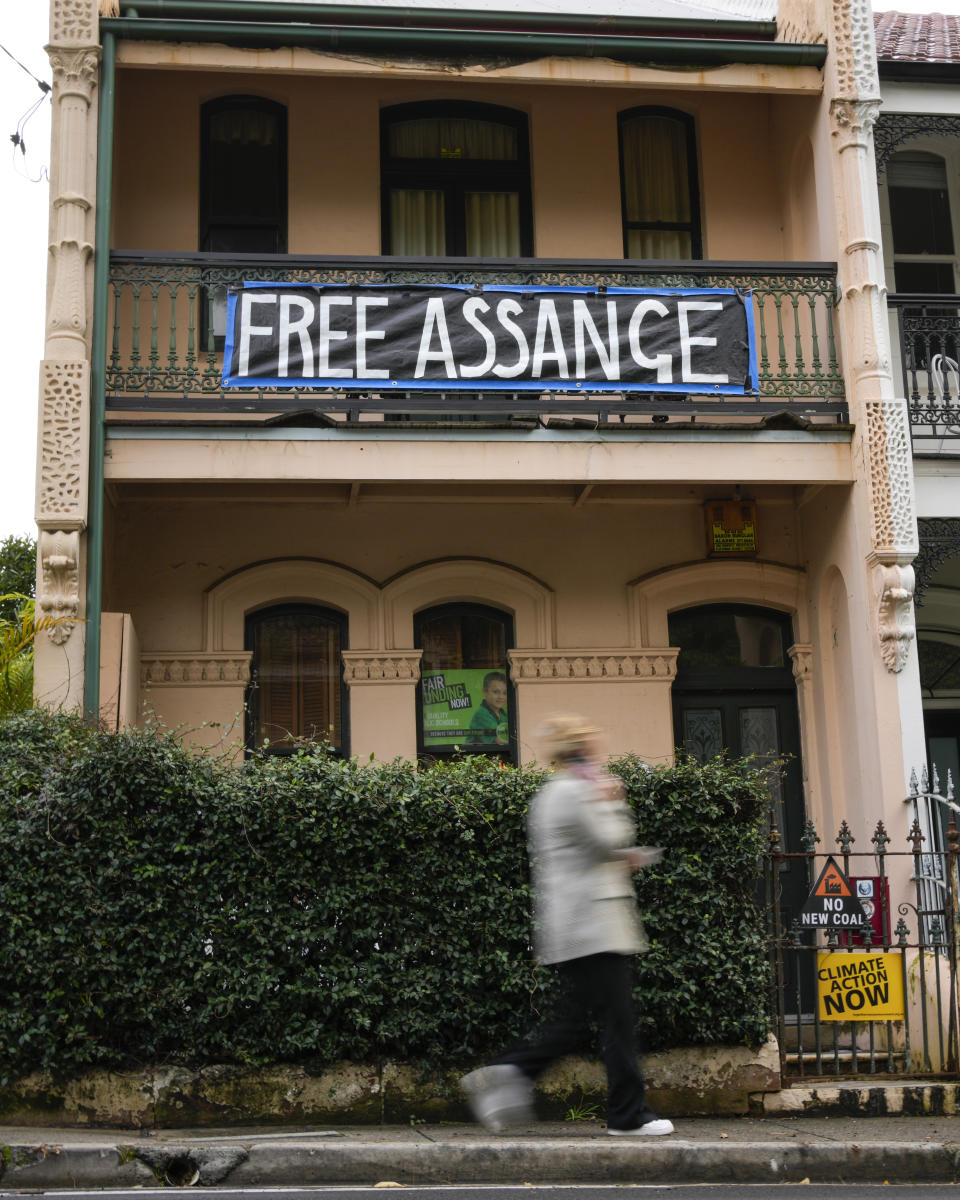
[161,907]
[18,568]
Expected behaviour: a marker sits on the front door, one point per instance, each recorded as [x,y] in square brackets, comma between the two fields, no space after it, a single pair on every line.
[735,694]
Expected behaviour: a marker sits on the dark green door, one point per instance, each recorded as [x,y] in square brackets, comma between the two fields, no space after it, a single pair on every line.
[735,694]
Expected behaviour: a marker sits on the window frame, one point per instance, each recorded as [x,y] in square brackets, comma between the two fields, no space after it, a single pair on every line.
[290,608]
[212,108]
[456,176]
[468,608]
[693,226]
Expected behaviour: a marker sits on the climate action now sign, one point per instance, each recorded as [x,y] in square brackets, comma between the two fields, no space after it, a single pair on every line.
[860,987]
[454,336]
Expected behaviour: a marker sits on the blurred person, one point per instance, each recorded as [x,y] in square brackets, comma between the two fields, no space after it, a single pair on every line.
[586,925]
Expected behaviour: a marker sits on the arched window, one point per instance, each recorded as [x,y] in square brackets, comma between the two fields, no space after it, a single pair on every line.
[465,701]
[456,180]
[243,176]
[659,188]
[297,692]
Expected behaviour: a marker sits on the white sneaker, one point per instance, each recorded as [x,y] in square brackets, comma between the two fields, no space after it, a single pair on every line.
[659,1127]
[499,1096]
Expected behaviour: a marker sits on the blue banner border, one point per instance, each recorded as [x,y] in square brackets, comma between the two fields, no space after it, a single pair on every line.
[385,386]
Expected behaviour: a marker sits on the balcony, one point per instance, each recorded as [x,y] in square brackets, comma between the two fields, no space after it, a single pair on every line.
[928,340]
[164,353]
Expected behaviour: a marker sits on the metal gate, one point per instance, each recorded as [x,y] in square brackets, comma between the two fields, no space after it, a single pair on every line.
[911,896]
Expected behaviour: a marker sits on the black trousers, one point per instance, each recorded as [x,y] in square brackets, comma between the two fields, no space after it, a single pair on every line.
[598,986]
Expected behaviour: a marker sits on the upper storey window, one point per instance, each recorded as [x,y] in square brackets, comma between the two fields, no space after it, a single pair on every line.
[660,194]
[243,176]
[456,181]
[923,242]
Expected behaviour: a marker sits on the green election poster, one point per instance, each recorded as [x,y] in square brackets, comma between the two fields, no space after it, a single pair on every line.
[464,707]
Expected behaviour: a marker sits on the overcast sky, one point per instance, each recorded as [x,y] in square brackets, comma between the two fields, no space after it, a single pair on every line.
[23,33]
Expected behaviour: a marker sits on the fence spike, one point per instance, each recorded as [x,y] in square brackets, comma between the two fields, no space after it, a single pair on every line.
[833,938]
[936,931]
[866,930]
[903,932]
[924,780]
[915,836]
[914,787]
[845,838]
[880,838]
[936,779]
[949,783]
[810,837]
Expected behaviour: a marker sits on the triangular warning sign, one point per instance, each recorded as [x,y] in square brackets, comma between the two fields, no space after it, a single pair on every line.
[832,904]
[832,882]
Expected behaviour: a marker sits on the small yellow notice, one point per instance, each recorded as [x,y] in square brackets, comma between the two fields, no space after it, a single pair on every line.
[859,987]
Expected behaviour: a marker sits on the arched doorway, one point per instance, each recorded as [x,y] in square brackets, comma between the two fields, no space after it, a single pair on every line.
[735,693]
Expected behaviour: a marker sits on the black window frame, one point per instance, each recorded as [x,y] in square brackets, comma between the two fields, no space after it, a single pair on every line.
[334,616]
[466,608]
[207,222]
[456,176]
[693,226]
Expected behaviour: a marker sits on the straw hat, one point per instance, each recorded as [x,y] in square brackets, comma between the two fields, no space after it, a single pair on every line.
[565,733]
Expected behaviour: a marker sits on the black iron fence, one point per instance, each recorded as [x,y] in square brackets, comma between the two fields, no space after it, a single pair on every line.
[167,317]
[928,328]
[833,987]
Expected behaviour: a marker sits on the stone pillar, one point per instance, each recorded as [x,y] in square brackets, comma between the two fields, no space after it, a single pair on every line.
[884,505]
[383,702]
[64,400]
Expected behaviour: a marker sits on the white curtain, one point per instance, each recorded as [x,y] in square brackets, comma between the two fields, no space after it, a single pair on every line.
[493,224]
[656,185]
[452,137]
[417,224]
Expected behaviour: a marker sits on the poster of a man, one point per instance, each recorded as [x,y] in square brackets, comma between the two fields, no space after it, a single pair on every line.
[488,725]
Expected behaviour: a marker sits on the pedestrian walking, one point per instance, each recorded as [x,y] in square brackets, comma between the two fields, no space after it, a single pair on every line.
[586,925]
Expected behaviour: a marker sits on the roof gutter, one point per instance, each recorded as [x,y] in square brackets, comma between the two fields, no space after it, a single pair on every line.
[442,18]
[494,42]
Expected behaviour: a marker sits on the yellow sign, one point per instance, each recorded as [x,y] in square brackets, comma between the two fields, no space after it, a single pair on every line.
[859,987]
[731,527]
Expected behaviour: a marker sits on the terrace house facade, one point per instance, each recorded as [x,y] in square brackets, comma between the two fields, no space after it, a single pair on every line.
[373,565]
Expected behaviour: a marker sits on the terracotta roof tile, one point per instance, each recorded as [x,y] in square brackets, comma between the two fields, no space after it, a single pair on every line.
[916,37]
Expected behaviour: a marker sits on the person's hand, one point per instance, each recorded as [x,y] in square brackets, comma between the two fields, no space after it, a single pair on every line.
[643,856]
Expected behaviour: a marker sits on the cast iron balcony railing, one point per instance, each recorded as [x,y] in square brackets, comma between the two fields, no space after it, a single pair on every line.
[165,349]
[929,339]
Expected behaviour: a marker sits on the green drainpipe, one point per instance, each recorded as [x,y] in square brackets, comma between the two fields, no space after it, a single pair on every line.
[500,43]
[98,363]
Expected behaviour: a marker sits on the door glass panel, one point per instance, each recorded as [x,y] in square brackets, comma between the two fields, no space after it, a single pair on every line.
[760,737]
[417,222]
[726,639]
[493,224]
[703,733]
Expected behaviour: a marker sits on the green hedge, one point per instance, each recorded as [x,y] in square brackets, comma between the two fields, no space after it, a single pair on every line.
[158,907]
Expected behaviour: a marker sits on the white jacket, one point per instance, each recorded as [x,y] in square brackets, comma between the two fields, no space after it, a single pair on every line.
[584,902]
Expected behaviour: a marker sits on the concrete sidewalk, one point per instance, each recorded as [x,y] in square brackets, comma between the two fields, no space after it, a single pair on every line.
[923,1149]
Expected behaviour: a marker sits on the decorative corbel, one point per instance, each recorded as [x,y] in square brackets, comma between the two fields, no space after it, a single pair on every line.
[59,554]
[895,623]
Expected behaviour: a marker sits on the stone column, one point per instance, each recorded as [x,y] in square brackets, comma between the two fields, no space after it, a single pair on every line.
[884,506]
[64,400]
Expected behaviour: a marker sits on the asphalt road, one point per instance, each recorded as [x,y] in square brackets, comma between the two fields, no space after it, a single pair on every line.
[733,1191]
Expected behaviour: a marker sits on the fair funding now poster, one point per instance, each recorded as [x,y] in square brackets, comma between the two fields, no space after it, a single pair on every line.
[464,707]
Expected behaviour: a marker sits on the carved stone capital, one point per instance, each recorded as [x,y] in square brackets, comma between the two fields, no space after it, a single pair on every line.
[801,659]
[75,72]
[534,666]
[852,121]
[62,435]
[58,551]
[195,669]
[381,666]
[894,584]
[73,23]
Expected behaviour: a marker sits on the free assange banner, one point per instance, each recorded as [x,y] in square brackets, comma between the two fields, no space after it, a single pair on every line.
[454,336]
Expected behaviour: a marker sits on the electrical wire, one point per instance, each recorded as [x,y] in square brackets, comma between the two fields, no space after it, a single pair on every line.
[44,87]
[19,143]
